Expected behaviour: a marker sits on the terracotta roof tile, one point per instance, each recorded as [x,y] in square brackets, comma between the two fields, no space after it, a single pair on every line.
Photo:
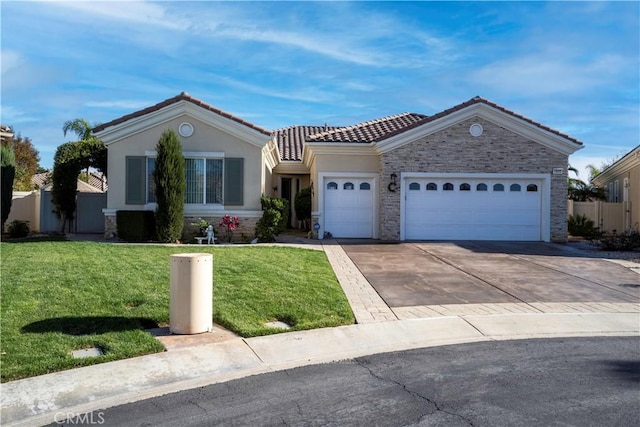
[182,97]
[371,131]
[291,139]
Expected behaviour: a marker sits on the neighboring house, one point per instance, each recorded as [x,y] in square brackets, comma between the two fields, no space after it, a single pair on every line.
[474,171]
[5,133]
[621,180]
[97,181]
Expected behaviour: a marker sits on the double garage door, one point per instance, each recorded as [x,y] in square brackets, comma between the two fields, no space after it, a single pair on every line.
[473,209]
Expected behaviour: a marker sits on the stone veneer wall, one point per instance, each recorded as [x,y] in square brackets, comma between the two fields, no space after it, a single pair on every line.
[244,233]
[454,150]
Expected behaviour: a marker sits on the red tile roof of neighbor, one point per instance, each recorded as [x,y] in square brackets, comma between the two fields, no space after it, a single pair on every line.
[184,96]
[97,180]
[291,139]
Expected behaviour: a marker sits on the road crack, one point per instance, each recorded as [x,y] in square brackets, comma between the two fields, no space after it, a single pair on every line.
[413,393]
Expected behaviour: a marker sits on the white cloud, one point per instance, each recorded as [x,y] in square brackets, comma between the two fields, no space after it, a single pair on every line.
[542,75]
[145,13]
[120,104]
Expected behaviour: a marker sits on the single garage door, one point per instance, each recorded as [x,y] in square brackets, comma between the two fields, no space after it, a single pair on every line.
[348,207]
[473,209]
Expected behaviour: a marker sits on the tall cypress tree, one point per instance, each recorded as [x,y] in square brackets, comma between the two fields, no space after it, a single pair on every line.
[8,173]
[170,181]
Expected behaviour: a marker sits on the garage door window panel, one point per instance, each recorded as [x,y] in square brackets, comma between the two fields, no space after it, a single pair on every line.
[447,187]
[465,187]
[498,187]
[532,188]
[348,186]
[414,186]
[332,186]
[515,187]
[365,186]
[481,187]
[432,186]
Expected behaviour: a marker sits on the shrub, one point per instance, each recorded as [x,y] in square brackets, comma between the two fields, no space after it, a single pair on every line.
[303,206]
[280,205]
[136,226]
[274,218]
[18,228]
[170,180]
[581,225]
[7,175]
[267,227]
[626,241]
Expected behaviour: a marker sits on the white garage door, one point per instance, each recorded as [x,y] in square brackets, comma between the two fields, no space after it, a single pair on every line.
[348,207]
[473,209]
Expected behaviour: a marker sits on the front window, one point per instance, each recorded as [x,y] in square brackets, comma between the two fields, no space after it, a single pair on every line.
[204,181]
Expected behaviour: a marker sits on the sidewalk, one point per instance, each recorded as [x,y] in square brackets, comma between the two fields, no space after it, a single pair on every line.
[213,358]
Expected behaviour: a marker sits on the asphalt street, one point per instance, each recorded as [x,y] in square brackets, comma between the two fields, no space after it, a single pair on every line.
[562,381]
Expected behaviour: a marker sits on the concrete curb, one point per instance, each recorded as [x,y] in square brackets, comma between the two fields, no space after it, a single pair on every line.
[52,397]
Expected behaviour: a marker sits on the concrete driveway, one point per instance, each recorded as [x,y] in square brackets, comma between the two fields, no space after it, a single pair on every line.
[436,273]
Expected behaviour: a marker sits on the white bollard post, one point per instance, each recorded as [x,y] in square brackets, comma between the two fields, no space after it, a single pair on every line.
[191,294]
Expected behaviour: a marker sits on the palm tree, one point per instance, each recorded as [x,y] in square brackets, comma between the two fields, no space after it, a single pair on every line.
[80,127]
[580,191]
[83,131]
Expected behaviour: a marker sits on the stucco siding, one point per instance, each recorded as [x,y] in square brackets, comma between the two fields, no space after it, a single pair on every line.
[454,150]
[205,138]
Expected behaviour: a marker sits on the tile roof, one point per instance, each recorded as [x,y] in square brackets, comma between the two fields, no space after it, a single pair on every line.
[97,181]
[291,139]
[182,97]
[371,131]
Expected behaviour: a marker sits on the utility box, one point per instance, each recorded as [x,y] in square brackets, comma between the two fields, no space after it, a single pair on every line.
[191,294]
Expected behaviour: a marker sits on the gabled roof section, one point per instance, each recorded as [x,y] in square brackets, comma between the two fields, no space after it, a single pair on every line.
[371,131]
[480,107]
[480,100]
[184,96]
[291,140]
[619,167]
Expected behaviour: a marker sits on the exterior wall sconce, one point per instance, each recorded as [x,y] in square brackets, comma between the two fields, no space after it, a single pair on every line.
[393,185]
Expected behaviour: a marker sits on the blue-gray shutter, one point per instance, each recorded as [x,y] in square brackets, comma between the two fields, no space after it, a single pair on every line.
[135,180]
[233,181]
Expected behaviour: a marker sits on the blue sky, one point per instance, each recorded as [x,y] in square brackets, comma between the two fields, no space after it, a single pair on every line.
[573,66]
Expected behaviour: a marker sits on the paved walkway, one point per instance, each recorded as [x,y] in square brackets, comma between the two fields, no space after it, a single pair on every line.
[204,359]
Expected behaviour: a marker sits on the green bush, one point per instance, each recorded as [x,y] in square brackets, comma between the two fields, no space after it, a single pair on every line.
[136,226]
[303,206]
[7,175]
[18,228]
[581,225]
[280,205]
[274,218]
[627,241]
[170,180]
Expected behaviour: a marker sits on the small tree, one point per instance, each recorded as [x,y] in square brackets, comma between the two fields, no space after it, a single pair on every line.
[170,183]
[303,206]
[27,162]
[7,174]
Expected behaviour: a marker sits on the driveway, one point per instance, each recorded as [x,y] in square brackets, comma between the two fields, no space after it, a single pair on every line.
[436,273]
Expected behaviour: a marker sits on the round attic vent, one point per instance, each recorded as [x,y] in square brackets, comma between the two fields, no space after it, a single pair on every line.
[475,129]
[185,129]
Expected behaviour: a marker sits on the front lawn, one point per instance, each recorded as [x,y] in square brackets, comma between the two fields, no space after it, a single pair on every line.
[63,296]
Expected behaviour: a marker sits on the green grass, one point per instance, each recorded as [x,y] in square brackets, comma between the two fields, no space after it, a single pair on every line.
[63,296]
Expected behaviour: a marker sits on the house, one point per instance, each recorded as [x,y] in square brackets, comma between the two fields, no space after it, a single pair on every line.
[621,180]
[474,171]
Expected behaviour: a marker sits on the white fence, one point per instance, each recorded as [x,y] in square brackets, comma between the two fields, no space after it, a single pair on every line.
[607,216]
